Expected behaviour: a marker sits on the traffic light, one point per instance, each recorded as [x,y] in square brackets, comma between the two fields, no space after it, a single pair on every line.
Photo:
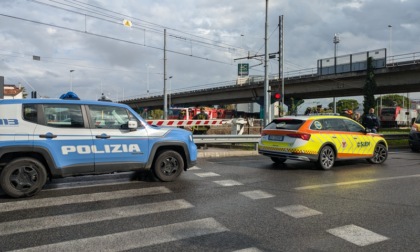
[275,96]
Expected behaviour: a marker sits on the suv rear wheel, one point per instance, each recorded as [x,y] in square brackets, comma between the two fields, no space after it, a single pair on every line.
[168,165]
[23,177]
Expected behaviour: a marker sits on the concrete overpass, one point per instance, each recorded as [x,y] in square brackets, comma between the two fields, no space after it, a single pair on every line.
[398,77]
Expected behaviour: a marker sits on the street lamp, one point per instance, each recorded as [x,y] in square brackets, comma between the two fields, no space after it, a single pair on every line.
[336,40]
[71,80]
[390,39]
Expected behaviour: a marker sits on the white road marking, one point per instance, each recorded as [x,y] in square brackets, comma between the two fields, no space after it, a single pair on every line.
[257,194]
[73,185]
[81,198]
[136,239]
[253,249]
[28,225]
[298,211]
[207,174]
[357,235]
[227,182]
[194,168]
[355,182]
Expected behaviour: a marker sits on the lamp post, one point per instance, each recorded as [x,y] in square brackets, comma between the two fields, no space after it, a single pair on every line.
[390,39]
[71,80]
[336,40]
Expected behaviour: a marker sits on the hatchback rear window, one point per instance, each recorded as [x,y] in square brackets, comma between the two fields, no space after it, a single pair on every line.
[287,124]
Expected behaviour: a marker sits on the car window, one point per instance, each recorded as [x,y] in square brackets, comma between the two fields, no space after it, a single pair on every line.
[63,115]
[353,126]
[288,124]
[335,124]
[30,113]
[109,117]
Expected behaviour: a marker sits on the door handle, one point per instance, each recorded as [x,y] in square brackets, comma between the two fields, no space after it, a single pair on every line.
[103,136]
[48,135]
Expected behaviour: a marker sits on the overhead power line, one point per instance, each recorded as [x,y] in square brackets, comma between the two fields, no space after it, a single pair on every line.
[112,38]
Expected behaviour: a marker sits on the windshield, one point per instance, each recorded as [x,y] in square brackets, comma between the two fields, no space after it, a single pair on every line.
[388,111]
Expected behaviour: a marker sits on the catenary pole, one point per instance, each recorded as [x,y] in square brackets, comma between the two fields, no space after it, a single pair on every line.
[267,94]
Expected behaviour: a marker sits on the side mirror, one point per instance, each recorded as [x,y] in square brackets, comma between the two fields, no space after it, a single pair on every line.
[368,130]
[132,125]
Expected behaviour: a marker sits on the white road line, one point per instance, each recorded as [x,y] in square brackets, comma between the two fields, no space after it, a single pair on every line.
[207,174]
[355,182]
[228,182]
[73,185]
[253,249]
[298,211]
[257,194]
[81,198]
[136,239]
[357,235]
[194,168]
[29,225]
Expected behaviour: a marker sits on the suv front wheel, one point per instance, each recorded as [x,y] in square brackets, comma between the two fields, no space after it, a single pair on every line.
[168,165]
[23,177]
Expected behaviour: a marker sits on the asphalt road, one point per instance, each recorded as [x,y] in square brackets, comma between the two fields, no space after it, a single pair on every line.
[226,204]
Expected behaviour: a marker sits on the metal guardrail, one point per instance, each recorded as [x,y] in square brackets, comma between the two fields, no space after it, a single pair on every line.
[253,139]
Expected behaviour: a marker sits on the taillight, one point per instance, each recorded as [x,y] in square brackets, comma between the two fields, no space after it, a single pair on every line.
[302,136]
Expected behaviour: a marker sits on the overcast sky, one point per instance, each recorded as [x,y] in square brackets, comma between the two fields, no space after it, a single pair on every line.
[203,39]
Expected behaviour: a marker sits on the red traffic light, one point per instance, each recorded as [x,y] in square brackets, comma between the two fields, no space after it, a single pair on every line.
[277,96]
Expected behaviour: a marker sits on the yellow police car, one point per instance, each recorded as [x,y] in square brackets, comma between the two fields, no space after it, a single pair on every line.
[322,139]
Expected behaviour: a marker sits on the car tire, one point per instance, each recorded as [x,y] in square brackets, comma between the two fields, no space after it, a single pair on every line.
[326,158]
[168,165]
[278,160]
[23,177]
[380,154]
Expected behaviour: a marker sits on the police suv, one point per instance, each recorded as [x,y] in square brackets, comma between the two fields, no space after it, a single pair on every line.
[42,139]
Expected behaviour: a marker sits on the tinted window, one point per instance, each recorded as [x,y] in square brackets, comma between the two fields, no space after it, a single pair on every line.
[63,115]
[288,124]
[30,113]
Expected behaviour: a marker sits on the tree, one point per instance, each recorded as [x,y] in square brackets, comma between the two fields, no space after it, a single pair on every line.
[369,88]
[393,100]
[24,94]
[344,104]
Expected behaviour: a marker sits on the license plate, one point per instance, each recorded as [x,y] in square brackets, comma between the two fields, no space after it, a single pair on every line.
[275,138]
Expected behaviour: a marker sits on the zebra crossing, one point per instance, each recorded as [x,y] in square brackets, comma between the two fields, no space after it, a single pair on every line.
[351,233]
[139,238]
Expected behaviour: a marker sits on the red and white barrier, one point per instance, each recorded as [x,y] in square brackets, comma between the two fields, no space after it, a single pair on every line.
[213,122]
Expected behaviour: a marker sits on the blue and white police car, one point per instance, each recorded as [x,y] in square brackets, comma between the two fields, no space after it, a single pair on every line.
[42,139]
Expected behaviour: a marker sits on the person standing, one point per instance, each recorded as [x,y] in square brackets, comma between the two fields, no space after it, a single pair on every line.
[201,130]
[371,121]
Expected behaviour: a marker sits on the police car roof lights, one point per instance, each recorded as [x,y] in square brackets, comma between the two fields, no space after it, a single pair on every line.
[69,96]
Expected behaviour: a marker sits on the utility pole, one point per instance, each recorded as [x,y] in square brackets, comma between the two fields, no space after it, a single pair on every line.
[281,65]
[267,94]
[165,98]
